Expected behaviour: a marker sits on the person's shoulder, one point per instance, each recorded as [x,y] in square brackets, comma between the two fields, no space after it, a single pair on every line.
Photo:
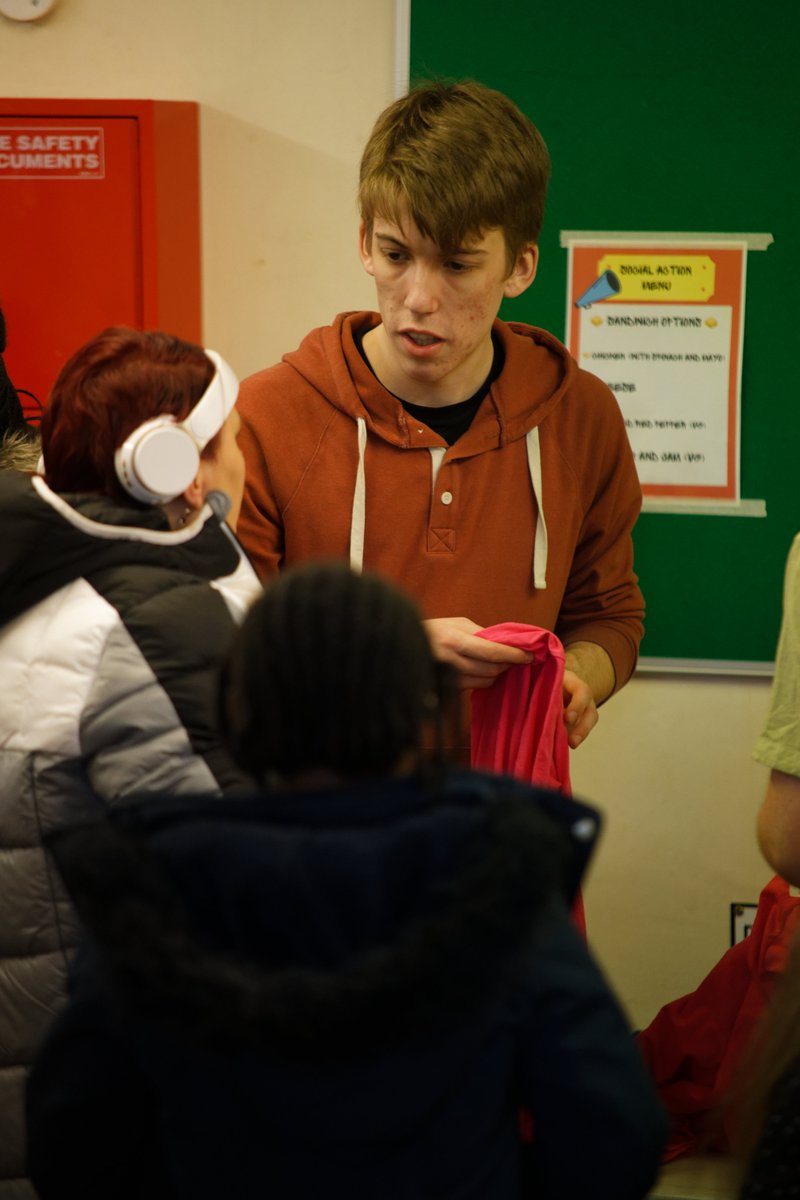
[528,347]
[269,381]
[323,340]
[16,486]
[517,337]
[575,395]
[171,613]
[596,399]
[305,370]
[793,559]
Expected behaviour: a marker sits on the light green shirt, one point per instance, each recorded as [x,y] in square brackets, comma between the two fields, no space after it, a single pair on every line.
[779,744]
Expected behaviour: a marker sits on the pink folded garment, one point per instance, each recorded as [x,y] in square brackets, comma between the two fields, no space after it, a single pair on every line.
[518,723]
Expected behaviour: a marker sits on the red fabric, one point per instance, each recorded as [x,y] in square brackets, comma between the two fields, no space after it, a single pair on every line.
[695,1044]
[517,725]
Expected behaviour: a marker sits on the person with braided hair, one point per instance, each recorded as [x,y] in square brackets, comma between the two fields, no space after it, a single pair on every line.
[353,983]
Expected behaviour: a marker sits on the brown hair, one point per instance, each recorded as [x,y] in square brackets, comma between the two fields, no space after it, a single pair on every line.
[459,159]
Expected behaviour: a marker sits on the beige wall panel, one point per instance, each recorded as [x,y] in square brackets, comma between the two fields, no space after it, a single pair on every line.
[288,92]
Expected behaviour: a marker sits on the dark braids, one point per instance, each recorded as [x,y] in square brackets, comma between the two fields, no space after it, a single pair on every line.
[330,670]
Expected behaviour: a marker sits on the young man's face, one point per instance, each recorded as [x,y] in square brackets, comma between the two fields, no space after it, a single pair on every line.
[434,346]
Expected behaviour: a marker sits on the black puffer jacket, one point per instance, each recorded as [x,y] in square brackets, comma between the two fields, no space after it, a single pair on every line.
[341,994]
[111,625]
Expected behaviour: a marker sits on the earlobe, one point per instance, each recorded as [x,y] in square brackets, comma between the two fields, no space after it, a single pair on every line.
[181,510]
[524,272]
[194,495]
[365,249]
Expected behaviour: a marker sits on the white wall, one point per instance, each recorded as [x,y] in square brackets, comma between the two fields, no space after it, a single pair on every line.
[669,764]
[289,92]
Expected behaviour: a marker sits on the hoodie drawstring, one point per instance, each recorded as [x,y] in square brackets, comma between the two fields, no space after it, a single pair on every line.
[540,537]
[358,517]
[437,454]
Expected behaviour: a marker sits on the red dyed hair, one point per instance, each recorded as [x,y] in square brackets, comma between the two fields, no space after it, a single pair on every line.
[115,382]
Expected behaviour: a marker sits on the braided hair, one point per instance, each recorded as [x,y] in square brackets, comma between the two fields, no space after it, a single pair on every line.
[331,670]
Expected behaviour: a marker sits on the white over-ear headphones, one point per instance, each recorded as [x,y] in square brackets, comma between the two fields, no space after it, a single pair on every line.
[160,458]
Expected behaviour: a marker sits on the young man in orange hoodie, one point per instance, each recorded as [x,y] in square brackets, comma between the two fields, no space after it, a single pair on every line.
[467,458]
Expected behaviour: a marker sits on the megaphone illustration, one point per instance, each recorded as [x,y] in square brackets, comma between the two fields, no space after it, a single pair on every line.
[607,285]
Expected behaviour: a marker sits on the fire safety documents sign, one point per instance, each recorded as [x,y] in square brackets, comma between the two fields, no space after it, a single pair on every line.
[38,151]
[661,322]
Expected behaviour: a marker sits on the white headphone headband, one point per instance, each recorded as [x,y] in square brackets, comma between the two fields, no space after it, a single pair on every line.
[215,405]
[160,458]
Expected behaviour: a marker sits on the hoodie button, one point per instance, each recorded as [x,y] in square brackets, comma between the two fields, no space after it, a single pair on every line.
[447,497]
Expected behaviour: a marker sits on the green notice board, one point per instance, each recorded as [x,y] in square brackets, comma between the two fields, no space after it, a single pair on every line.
[683,118]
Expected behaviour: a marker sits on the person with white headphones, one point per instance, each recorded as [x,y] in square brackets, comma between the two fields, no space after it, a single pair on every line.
[121,585]
[165,461]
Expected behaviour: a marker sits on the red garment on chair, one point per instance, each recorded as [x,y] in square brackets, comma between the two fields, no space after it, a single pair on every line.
[517,724]
[694,1045]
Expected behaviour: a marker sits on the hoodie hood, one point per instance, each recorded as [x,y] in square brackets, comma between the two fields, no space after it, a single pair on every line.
[530,386]
[533,382]
[322,924]
[50,540]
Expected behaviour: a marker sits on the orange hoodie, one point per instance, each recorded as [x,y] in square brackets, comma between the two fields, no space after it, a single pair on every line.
[527,517]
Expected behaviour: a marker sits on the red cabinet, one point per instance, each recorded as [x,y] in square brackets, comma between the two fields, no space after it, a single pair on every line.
[99,225]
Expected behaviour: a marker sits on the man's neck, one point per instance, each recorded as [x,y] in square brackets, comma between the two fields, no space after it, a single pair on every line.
[455,387]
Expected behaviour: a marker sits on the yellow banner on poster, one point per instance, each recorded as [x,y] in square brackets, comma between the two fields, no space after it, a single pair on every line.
[672,277]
